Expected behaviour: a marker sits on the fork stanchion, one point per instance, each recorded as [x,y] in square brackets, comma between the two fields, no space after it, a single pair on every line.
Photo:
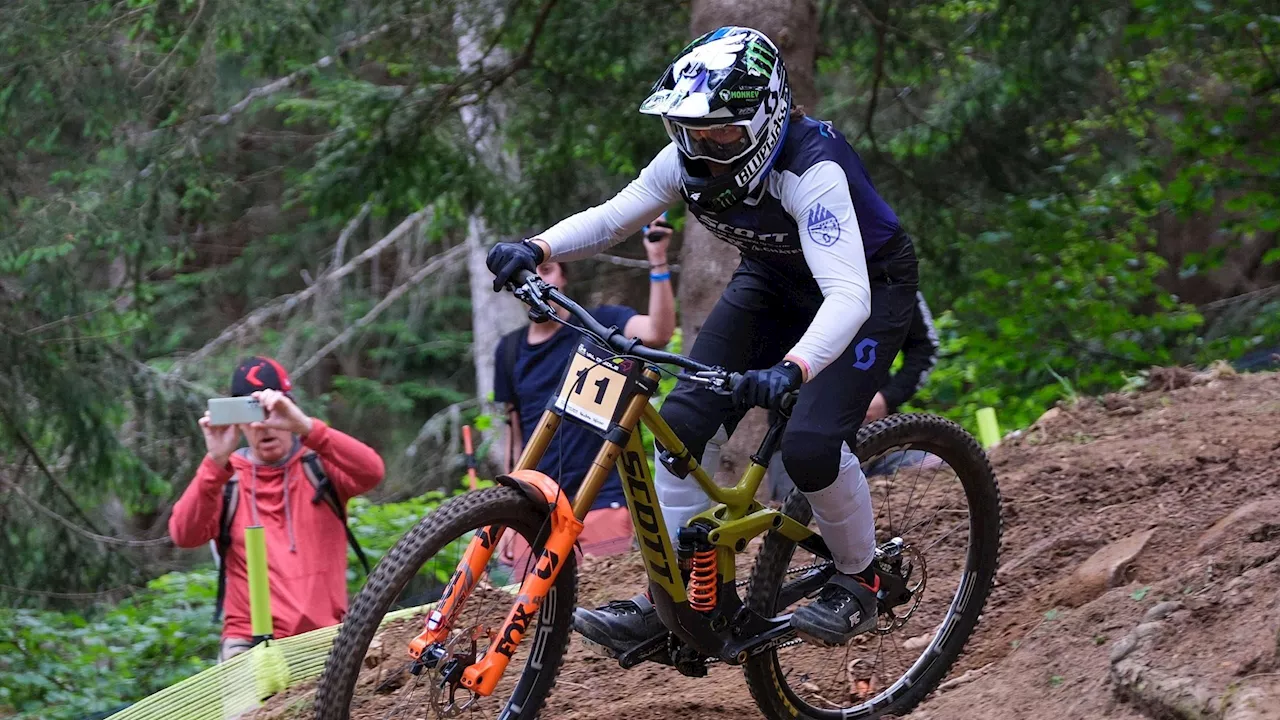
[988,428]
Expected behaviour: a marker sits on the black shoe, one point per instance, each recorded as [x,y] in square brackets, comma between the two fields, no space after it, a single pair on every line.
[620,626]
[845,607]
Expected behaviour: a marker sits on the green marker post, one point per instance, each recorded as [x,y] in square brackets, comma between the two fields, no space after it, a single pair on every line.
[255,553]
[988,428]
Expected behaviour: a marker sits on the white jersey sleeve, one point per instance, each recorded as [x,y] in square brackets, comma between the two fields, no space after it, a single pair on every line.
[820,203]
[590,231]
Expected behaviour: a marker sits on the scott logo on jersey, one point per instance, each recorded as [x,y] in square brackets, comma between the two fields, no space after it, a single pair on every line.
[777,243]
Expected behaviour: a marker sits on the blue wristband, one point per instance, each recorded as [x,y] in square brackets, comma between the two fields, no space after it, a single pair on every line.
[659,277]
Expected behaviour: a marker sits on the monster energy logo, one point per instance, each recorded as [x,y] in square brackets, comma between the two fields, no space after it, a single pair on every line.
[760,59]
[750,94]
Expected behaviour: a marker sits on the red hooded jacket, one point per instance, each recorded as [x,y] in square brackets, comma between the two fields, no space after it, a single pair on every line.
[306,545]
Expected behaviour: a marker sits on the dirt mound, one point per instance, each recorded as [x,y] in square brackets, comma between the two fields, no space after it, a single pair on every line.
[1139,574]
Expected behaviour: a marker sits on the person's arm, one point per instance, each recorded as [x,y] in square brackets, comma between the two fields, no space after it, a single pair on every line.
[354,468]
[194,521]
[590,231]
[655,329]
[831,241]
[919,357]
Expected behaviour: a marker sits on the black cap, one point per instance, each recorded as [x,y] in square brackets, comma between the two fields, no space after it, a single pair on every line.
[259,373]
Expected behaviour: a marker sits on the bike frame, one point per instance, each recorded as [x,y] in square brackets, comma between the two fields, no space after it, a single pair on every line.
[730,632]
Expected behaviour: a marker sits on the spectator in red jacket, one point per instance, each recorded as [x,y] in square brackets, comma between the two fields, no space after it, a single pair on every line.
[306,541]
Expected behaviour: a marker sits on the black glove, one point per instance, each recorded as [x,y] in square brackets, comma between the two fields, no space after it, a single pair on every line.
[507,259]
[765,388]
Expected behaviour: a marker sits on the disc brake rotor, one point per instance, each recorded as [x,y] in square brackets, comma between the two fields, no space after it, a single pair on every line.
[446,677]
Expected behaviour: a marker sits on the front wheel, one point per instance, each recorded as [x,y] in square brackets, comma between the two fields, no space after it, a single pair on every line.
[369,672]
[937,510]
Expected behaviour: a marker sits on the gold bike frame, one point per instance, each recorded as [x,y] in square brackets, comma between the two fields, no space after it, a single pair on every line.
[735,518]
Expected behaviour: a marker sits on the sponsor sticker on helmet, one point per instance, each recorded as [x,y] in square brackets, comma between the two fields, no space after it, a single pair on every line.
[747,94]
[760,58]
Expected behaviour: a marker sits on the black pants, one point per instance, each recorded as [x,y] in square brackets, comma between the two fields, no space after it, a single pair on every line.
[759,317]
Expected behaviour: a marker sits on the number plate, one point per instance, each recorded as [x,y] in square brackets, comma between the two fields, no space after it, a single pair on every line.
[596,388]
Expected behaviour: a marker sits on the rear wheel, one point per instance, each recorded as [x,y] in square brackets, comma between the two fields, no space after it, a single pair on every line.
[369,673]
[937,512]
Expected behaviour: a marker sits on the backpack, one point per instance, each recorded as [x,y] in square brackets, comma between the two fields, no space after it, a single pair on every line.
[324,491]
[510,350]
[510,346]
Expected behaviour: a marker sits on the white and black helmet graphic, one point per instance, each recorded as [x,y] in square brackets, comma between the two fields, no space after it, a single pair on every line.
[725,99]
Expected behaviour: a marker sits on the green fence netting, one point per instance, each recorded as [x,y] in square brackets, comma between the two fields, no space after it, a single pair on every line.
[241,684]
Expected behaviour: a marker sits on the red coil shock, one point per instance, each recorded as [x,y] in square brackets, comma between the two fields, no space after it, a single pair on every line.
[702,581]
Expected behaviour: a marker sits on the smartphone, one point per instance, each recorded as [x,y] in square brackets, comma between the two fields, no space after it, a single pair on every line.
[645,230]
[235,411]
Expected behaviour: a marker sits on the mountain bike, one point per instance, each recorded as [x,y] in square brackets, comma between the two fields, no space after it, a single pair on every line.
[486,650]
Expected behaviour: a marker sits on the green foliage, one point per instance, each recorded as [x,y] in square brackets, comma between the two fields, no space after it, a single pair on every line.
[1046,160]
[63,666]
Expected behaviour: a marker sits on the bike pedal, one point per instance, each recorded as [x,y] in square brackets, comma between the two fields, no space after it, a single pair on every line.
[598,649]
[642,652]
[811,640]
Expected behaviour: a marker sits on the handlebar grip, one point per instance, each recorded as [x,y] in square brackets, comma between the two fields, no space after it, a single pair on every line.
[521,277]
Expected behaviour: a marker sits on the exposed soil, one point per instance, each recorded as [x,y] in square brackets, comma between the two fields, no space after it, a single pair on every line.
[1174,462]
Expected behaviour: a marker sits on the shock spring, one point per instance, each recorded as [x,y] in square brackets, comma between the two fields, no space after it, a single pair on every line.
[703,582]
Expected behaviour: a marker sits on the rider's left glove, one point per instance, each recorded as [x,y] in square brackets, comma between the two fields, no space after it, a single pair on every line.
[507,259]
[766,388]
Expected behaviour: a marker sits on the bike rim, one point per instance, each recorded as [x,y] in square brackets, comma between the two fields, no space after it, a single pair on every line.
[922,501]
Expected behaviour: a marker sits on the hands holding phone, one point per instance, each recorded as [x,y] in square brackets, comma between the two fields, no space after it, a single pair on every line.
[221,440]
[281,414]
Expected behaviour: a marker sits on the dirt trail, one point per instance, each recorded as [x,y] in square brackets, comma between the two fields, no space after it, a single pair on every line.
[1172,463]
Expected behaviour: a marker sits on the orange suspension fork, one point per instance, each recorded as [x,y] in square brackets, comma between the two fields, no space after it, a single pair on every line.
[482,677]
[470,570]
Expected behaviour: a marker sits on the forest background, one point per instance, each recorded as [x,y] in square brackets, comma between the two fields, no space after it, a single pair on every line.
[1094,189]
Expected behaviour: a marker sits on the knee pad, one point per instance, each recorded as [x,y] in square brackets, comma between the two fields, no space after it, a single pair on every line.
[812,459]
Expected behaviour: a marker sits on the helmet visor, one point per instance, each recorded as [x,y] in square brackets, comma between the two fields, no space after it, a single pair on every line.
[717,143]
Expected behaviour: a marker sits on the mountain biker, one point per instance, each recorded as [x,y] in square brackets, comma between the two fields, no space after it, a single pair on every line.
[820,303]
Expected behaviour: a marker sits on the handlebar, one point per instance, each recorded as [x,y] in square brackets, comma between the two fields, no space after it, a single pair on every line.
[536,293]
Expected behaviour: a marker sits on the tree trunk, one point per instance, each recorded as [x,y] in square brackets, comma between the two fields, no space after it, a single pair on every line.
[793,26]
[492,314]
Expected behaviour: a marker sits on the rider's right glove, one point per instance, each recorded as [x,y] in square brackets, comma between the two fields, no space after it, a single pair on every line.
[765,388]
[507,259]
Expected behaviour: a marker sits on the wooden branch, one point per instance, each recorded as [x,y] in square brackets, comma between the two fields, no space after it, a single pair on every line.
[884,26]
[340,248]
[445,260]
[429,427]
[94,536]
[30,447]
[875,88]
[630,262]
[176,46]
[285,303]
[279,84]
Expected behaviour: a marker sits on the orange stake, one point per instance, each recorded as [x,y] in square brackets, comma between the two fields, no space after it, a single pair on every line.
[470,452]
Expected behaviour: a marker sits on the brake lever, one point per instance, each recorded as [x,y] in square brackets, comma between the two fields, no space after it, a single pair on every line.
[533,293]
